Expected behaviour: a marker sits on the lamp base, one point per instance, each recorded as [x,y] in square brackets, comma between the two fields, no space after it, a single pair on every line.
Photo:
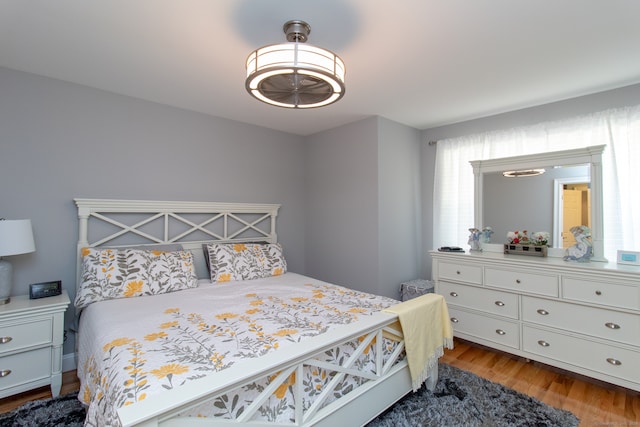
[6,280]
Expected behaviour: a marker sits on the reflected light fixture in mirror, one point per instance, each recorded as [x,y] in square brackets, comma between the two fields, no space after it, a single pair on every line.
[523,173]
[591,156]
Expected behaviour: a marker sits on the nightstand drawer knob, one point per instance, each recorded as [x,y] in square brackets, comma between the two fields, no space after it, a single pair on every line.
[543,343]
[499,303]
[454,320]
[611,325]
[500,332]
[613,361]
[542,311]
[454,294]
[4,340]
[5,372]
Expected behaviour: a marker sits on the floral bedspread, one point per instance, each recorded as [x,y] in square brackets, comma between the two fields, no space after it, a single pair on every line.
[133,348]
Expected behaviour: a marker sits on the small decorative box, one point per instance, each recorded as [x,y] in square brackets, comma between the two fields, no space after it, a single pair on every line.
[532,250]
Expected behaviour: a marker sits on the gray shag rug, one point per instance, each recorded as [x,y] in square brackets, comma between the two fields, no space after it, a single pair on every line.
[465,399]
[460,399]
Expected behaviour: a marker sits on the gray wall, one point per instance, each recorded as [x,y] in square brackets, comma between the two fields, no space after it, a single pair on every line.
[59,141]
[399,207]
[342,205]
[363,210]
[623,97]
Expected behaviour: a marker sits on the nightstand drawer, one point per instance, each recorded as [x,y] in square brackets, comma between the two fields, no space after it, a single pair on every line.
[25,367]
[26,334]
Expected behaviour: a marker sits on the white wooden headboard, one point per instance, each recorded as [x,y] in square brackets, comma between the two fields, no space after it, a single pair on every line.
[128,223]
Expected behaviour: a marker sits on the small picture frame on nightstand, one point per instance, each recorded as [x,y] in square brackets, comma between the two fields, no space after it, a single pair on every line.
[628,257]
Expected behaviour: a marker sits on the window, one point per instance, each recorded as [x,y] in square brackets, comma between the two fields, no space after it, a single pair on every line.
[618,129]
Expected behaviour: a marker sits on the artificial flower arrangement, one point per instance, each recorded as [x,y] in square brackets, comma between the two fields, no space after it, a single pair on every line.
[539,238]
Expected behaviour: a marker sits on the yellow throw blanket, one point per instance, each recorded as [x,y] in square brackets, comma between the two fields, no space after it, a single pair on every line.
[427,331]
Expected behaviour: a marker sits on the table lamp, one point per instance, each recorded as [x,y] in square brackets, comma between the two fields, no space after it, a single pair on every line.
[16,237]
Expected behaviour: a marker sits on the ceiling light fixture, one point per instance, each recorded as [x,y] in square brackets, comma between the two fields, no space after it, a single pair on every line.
[295,75]
[522,173]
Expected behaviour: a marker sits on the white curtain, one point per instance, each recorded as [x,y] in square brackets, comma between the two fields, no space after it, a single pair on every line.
[618,129]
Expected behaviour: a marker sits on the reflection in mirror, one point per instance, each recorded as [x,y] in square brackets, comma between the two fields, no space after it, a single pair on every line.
[571,207]
[535,203]
[530,202]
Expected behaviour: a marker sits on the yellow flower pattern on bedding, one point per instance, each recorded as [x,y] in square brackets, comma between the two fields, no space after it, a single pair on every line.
[182,345]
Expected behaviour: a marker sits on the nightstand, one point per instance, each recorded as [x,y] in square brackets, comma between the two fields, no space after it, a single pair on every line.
[31,338]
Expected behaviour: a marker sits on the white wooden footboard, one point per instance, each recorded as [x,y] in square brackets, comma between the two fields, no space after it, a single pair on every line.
[389,382]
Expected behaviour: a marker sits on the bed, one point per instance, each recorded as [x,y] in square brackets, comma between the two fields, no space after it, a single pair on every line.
[188,316]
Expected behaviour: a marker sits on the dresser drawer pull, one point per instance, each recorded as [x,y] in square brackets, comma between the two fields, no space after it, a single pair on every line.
[454,294]
[5,340]
[614,362]
[458,272]
[500,332]
[518,281]
[499,303]
[454,320]
[5,372]
[544,343]
[598,292]
[611,325]
[542,311]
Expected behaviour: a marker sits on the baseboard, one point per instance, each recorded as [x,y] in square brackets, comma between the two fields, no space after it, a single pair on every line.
[68,362]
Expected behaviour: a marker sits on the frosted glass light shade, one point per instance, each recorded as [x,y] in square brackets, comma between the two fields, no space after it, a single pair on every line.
[295,75]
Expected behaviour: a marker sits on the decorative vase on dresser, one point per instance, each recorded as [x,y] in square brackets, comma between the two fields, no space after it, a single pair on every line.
[31,339]
[581,317]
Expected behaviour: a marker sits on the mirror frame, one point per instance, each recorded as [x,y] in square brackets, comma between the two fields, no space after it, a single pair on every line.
[579,156]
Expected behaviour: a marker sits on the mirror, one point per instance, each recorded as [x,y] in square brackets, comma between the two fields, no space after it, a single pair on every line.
[508,204]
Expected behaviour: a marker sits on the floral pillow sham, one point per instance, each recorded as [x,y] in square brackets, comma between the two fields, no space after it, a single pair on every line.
[244,261]
[123,273]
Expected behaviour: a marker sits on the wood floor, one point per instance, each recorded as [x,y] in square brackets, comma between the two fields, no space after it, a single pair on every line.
[595,403]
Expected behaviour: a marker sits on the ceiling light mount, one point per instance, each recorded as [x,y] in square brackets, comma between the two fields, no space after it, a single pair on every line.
[296,31]
[294,74]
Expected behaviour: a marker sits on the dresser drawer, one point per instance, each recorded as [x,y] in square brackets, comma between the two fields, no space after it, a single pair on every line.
[25,367]
[487,300]
[598,322]
[460,272]
[35,332]
[624,296]
[605,359]
[534,283]
[487,328]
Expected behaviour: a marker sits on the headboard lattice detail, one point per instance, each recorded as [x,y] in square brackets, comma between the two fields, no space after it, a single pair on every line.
[237,222]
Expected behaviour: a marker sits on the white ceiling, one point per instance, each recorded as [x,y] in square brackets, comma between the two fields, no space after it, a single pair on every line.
[423,63]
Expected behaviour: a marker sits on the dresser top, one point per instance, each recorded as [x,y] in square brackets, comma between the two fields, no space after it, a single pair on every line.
[553,263]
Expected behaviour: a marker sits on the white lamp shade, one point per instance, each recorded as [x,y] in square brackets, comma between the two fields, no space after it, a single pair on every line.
[16,237]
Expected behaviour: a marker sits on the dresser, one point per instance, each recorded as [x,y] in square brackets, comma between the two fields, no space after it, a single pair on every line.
[31,339]
[581,317]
